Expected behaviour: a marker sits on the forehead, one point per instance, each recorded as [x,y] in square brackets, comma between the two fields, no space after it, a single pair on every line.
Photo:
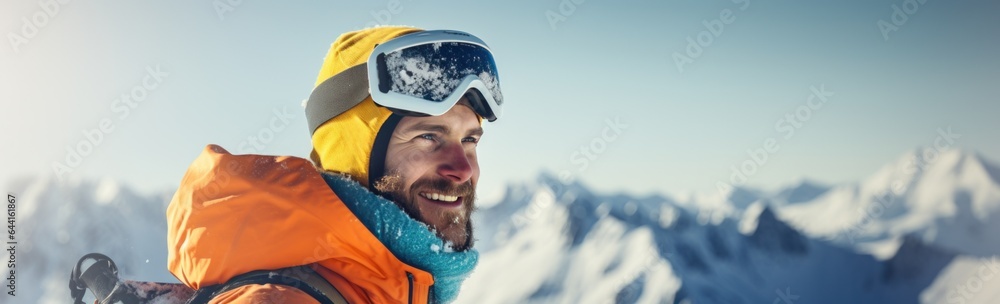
[459,118]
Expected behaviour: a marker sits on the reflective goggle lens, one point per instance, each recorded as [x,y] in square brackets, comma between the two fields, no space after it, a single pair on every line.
[434,71]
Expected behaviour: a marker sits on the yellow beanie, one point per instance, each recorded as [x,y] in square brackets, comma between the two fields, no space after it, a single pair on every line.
[344,143]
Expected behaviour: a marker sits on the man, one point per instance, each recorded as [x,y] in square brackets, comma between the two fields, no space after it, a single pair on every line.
[383,212]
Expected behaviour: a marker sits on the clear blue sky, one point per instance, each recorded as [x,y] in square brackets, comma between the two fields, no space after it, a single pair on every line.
[601,60]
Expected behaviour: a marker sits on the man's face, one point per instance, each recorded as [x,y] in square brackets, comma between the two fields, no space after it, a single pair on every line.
[431,171]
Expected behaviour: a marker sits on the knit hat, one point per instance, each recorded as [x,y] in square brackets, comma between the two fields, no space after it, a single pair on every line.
[355,142]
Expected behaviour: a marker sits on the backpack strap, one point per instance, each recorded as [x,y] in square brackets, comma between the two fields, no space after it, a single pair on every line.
[303,278]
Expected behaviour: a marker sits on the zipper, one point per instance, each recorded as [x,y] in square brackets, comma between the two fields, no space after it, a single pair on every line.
[409,278]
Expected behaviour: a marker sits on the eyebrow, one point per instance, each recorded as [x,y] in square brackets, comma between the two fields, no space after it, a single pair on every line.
[426,127]
[478,131]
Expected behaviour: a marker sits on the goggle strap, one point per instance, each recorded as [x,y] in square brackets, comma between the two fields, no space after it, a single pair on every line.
[336,95]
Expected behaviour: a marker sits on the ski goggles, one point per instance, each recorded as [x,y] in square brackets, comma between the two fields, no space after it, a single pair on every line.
[418,74]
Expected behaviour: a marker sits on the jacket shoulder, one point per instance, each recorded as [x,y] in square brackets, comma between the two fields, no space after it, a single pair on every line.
[264,293]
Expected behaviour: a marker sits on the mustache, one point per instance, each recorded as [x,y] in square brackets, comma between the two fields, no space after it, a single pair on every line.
[443,186]
[393,185]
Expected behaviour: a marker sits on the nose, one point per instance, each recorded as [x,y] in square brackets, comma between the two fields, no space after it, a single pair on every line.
[456,165]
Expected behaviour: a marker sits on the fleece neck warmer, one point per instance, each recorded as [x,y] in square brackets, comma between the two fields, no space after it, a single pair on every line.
[408,239]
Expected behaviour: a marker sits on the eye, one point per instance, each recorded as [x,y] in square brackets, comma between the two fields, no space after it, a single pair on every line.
[427,136]
[471,139]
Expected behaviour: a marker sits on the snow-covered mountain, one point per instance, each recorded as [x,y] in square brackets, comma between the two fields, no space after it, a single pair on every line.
[950,199]
[934,240]
[61,221]
[581,247]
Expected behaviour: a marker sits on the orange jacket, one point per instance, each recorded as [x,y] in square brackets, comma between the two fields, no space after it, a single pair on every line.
[233,214]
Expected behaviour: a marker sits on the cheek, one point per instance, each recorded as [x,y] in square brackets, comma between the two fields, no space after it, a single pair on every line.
[403,160]
[410,165]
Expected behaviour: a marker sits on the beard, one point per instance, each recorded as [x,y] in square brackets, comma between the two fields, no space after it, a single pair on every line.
[454,227]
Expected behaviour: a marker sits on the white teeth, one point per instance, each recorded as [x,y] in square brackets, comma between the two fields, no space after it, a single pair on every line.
[440,197]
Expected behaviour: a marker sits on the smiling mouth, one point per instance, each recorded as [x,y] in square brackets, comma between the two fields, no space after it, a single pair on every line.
[442,199]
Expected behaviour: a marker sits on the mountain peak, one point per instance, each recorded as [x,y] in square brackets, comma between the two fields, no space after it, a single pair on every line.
[560,184]
[803,191]
[933,166]
[774,234]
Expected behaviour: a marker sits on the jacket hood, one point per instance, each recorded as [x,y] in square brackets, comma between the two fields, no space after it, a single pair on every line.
[237,213]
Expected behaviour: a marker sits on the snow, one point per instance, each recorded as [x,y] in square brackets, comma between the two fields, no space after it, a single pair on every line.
[612,258]
[951,199]
[748,223]
[881,250]
[668,216]
[106,191]
[536,250]
[747,246]
[967,280]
